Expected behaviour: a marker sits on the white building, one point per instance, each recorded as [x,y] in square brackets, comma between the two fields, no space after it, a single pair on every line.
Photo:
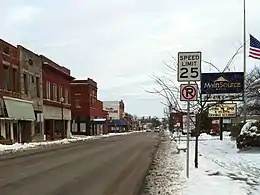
[112,107]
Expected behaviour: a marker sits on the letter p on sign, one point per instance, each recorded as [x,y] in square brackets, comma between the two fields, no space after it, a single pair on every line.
[189,92]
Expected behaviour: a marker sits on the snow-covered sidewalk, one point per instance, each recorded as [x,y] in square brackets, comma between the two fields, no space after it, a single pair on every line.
[222,169]
[26,146]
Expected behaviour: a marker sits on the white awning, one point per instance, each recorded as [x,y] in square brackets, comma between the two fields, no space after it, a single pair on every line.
[18,109]
[99,119]
[55,113]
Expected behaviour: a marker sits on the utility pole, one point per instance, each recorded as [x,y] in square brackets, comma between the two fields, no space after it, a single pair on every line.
[244,35]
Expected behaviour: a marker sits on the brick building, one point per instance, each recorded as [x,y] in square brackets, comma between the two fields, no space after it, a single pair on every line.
[56,99]
[31,85]
[16,115]
[87,111]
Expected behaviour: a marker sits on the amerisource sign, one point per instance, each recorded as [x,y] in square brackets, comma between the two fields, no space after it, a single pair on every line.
[228,86]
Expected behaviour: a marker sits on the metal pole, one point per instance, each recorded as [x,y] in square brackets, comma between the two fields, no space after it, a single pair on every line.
[188,136]
[40,115]
[221,128]
[245,106]
[62,120]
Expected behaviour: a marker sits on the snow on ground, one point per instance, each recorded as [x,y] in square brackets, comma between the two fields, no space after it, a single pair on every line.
[222,170]
[180,137]
[20,147]
[165,176]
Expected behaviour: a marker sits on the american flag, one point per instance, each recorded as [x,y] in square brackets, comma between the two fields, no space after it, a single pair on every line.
[254,50]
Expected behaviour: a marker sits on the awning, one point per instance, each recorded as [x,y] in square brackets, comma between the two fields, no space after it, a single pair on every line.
[118,123]
[98,121]
[18,109]
[55,113]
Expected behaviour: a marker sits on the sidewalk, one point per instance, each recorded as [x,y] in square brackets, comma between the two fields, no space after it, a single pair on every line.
[166,174]
[222,169]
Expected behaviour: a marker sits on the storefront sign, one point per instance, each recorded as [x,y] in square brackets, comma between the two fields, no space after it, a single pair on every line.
[111,110]
[228,86]
[223,110]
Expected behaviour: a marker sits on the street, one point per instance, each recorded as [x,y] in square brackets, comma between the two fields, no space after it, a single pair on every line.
[115,165]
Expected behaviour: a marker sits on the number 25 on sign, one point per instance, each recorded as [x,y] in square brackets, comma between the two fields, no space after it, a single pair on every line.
[189,66]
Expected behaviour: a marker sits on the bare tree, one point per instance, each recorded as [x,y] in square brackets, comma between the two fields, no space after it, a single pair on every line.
[252,93]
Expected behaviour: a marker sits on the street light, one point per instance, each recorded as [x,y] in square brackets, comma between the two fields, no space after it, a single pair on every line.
[62,118]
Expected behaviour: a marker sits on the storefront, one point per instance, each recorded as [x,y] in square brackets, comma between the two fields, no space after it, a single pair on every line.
[17,121]
[116,126]
[57,121]
[98,126]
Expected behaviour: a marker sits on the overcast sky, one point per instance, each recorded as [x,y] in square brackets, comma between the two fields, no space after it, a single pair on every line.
[121,43]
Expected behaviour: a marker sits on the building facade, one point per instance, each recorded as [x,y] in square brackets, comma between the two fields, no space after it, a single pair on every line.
[87,111]
[56,99]
[31,86]
[115,111]
[16,115]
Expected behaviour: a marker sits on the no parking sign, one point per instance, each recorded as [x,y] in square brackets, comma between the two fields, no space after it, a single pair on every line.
[189,92]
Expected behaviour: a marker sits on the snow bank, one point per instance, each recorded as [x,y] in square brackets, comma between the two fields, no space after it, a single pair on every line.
[182,146]
[20,147]
[223,170]
[249,135]
[206,136]
[246,127]
[203,136]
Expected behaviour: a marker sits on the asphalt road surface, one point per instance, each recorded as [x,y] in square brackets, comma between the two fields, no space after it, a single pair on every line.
[108,166]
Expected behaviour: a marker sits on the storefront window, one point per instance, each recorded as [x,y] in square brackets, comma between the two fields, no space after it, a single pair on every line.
[7,130]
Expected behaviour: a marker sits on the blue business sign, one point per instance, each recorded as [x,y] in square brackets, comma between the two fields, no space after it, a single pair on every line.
[228,86]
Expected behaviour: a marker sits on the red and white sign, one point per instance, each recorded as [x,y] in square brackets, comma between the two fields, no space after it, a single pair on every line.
[189,92]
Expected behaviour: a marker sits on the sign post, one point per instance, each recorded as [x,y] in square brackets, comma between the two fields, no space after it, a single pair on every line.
[189,69]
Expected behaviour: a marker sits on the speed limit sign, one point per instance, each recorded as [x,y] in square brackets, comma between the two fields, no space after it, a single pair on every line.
[189,66]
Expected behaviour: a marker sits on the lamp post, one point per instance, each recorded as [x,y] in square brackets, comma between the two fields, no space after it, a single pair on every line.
[62,118]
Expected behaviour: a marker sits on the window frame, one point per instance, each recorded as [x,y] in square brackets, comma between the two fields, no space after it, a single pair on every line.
[54,92]
[60,92]
[48,90]
[66,94]
[25,83]
[7,84]
[6,50]
[38,86]
[15,79]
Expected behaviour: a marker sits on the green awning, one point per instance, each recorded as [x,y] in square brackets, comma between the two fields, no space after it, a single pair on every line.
[19,109]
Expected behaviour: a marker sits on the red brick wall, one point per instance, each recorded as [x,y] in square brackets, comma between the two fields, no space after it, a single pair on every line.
[99,110]
[51,74]
[82,94]
[13,59]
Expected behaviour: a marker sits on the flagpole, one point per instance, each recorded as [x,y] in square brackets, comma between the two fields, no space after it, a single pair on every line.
[245,106]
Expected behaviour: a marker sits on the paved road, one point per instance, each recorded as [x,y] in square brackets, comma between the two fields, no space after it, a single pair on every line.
[115,165]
